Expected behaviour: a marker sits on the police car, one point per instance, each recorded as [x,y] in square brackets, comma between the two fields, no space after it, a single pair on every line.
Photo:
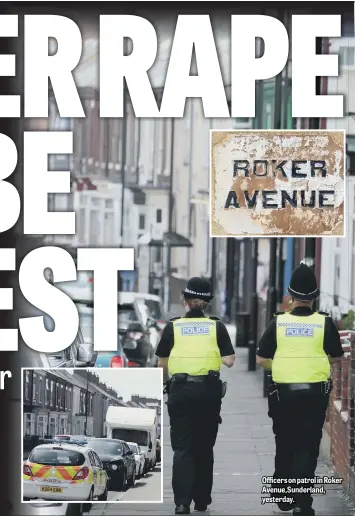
[64,472]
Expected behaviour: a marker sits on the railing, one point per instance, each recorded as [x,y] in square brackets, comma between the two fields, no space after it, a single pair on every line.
[341,413]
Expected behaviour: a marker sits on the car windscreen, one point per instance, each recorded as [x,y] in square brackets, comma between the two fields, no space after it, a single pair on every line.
[127,314]
[136,436]
[56,457]
[155,309]
[133,448]
[106,447]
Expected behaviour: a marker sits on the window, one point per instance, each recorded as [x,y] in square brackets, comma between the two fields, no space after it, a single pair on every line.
[57,457]
[158,254]
[48,395]
[34,387]
[27,424]
[40,427]
[159,216]
[27,385]
[52,393]
[40,389]
[141,221]
[63,426]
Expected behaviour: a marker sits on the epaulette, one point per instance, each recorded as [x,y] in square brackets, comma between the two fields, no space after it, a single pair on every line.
[324,313]
[214,318]
[174,318]
[278,313]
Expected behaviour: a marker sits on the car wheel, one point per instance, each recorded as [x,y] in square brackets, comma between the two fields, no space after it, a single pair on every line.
[103,496]
[132,480]
[87,507]
[123,482]
[75,509]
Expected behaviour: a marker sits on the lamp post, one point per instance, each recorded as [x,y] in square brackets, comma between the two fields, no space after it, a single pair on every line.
[86,403]
[253,330]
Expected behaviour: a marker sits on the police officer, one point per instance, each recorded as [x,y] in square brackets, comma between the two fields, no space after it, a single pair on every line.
[299,347]
[191,351]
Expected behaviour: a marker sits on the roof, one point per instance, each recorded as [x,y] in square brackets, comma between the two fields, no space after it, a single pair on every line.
[69,378]
[132,416]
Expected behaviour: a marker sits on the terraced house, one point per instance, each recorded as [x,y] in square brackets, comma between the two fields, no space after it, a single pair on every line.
[58,402]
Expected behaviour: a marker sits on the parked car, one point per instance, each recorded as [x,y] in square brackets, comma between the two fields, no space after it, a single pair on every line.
[158,450]
[79,354]
[154,305]
[50,508]
[128,315]
[51,472]
[118,461]
[139,457]
[103,358]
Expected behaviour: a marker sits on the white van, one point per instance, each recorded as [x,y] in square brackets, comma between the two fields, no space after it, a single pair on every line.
[138,425]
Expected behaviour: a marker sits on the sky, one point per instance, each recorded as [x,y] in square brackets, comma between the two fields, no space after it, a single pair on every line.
[142,381]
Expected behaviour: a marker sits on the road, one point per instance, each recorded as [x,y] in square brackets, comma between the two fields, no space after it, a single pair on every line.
[147,489]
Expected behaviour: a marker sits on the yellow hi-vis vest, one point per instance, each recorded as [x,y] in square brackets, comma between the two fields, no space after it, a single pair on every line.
[195,350]
[300,357]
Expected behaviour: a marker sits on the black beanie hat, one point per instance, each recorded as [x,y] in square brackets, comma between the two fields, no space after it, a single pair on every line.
[197,288]
[303,284]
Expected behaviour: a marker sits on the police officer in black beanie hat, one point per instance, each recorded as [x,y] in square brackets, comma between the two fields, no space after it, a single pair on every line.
[299,348]
[191,351]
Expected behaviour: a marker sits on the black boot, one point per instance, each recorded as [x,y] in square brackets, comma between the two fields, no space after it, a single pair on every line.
[285,506]
[200,507]
[182,509]
[303,511]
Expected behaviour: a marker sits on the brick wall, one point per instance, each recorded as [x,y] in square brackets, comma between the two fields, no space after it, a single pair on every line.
[340,417]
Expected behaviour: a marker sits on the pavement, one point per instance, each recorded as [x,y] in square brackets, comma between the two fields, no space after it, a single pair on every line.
[244,453]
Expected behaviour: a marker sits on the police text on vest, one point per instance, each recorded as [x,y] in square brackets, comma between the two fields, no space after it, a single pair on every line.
[195,330]
[293,331]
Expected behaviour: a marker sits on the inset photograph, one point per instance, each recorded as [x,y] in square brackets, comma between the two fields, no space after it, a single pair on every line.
[92,435]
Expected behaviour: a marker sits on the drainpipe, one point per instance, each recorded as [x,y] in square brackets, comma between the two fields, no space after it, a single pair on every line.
[191,127]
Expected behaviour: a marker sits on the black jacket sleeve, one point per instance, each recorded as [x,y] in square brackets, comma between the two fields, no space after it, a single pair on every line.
[223,340]
[166,342]
[267,345]
[332,344]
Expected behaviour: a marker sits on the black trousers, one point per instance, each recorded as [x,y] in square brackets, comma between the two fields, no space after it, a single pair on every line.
[194,412]
[298,419]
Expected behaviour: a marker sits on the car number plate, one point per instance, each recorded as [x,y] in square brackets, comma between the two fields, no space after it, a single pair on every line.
[51,489]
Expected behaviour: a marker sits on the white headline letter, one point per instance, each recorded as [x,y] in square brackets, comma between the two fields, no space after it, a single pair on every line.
[246,68]
[10,105]
[10,202]
[307,65]
[114,65]
[39,65]
[194,31]
[8,338]
[48,299]
[105,263]
[38,182]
